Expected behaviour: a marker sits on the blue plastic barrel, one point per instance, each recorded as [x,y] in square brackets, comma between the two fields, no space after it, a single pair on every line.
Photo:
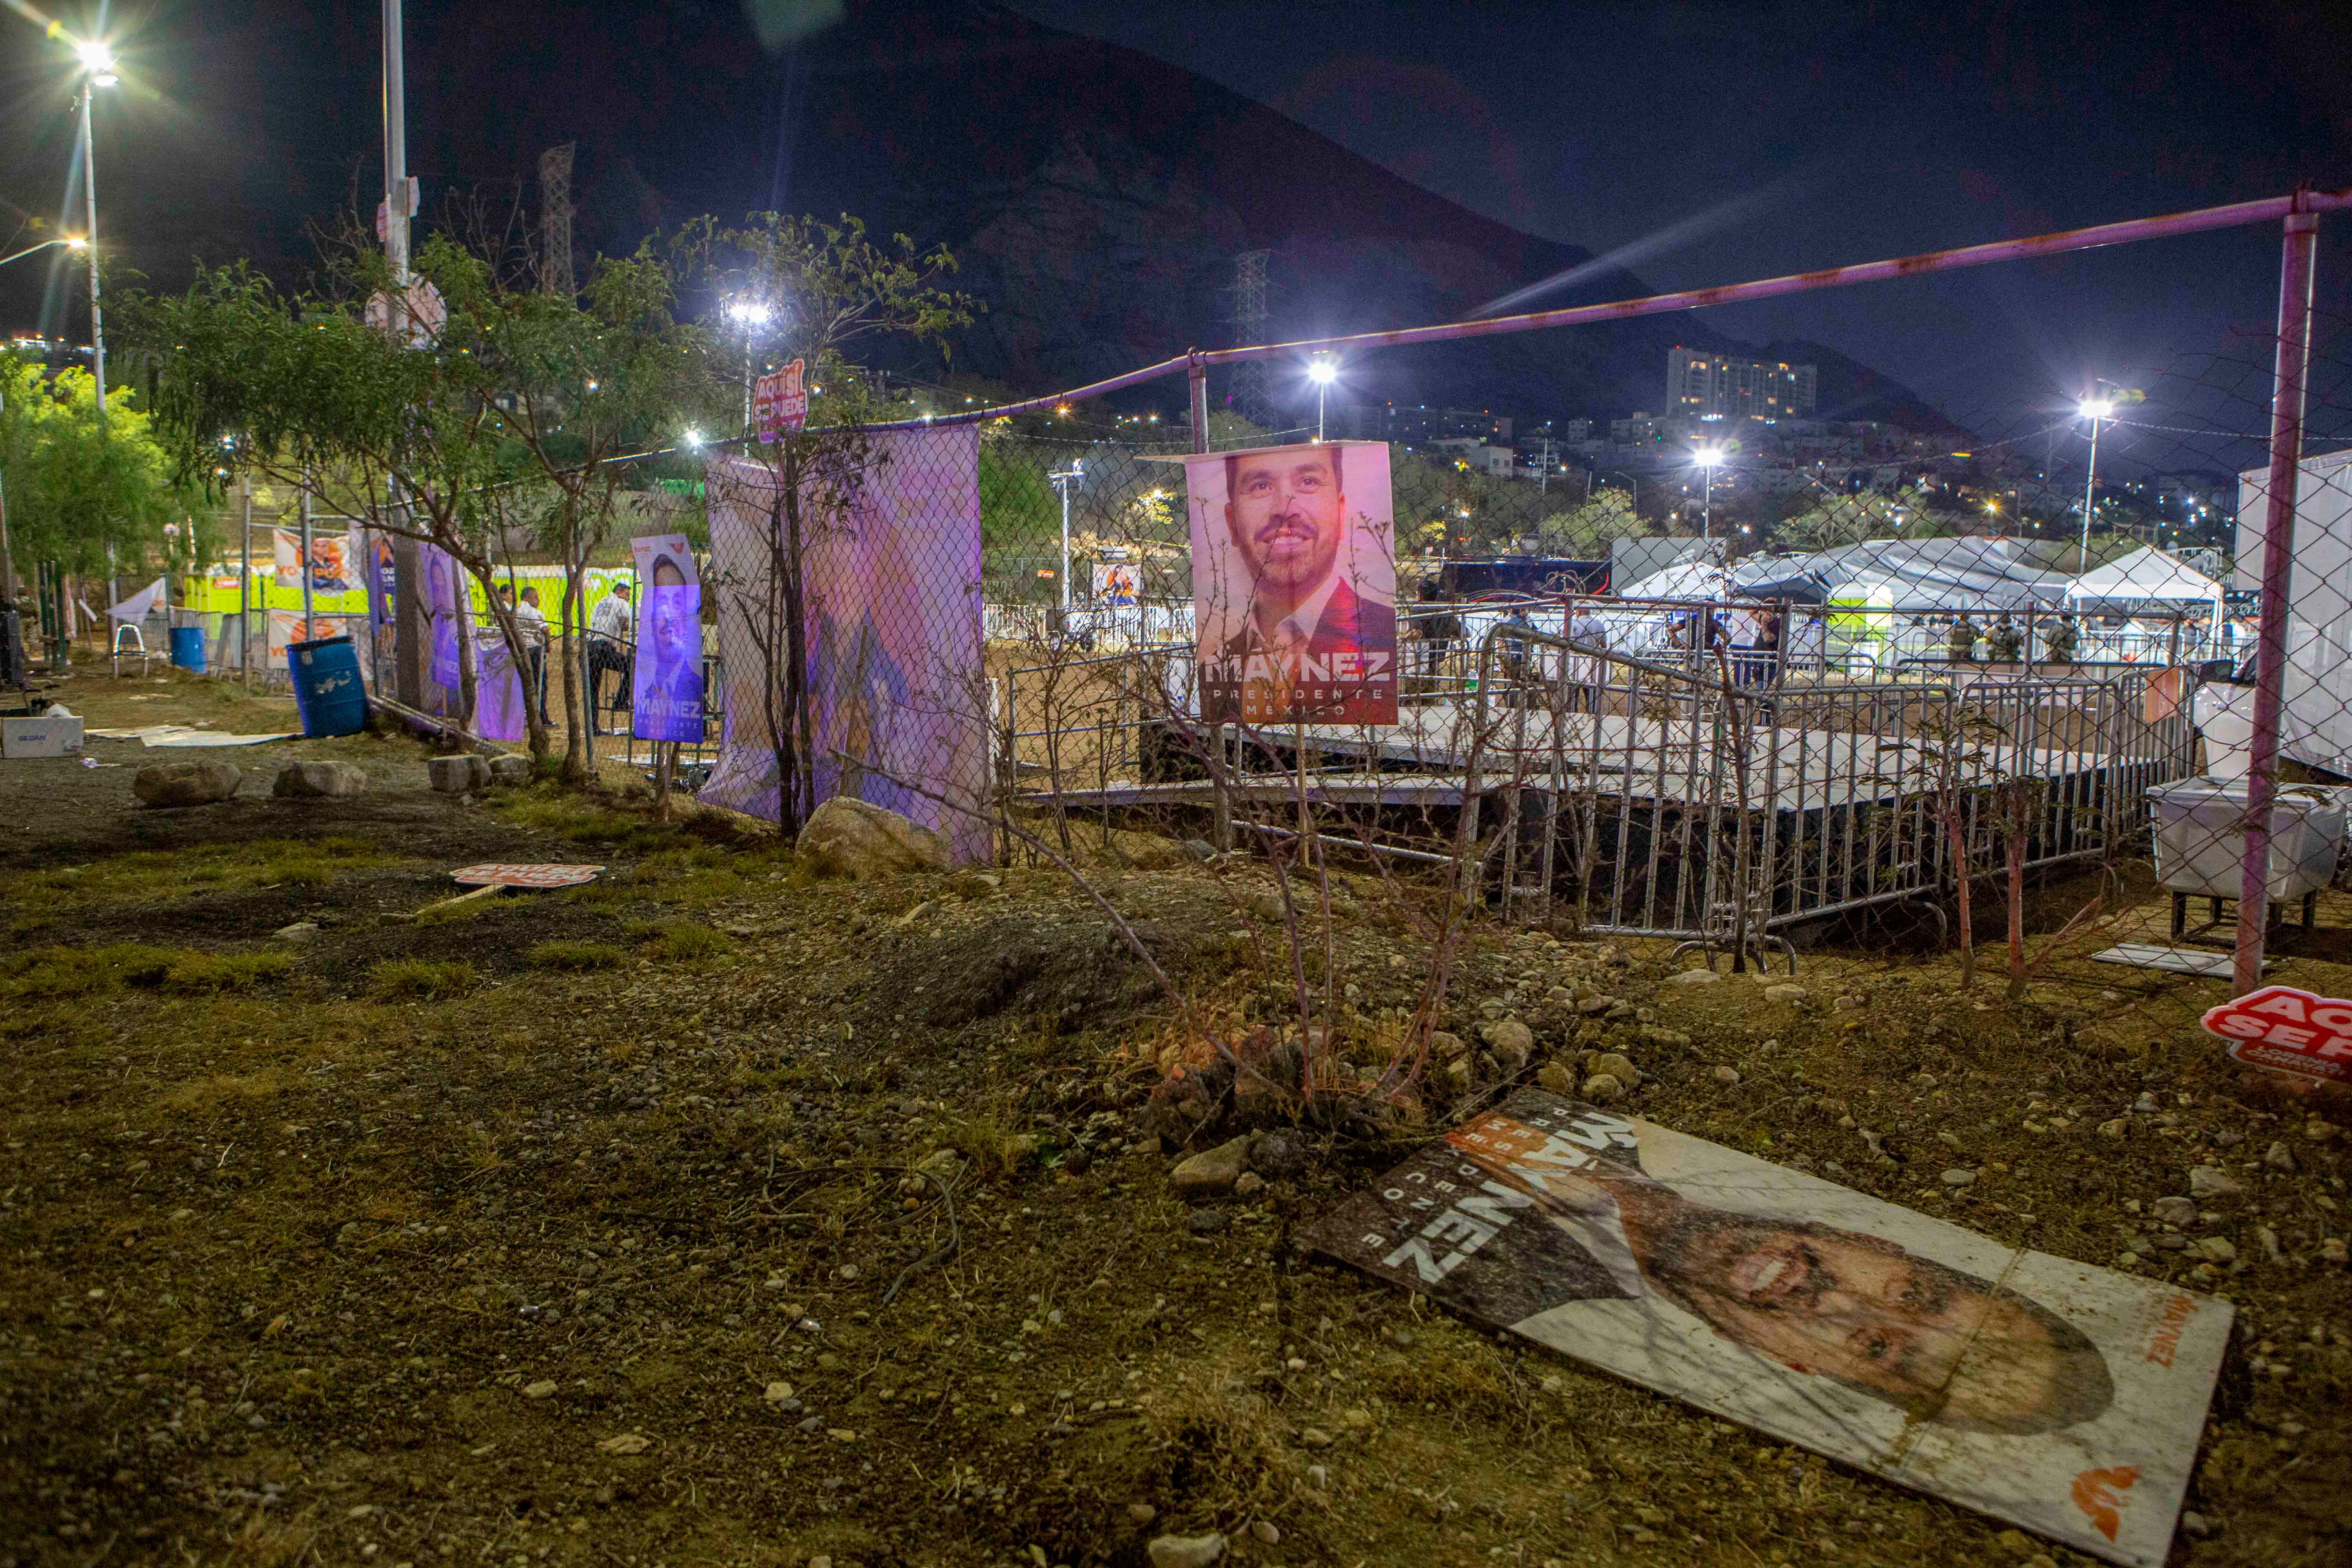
[188,648]
[327,692]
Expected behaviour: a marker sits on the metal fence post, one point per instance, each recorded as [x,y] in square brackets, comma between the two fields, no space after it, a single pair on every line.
[244,594]
[1196,372]
[2299,252]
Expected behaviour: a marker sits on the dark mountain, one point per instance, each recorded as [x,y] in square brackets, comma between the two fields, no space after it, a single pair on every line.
[1098,197]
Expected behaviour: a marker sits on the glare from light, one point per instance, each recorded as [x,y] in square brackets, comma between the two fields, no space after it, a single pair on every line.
[2096,408]
[77,242]
[694,437]
[97,60]
[750,313]
[1707,456]
[1322,371]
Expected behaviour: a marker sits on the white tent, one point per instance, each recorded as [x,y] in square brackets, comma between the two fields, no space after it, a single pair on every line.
[2146,576]
[1690,580]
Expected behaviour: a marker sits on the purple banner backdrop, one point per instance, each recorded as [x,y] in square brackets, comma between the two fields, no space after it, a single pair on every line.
[894,648]
[665,701]
[498,690]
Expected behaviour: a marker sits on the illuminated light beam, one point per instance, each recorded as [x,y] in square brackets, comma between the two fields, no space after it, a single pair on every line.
[1671,237]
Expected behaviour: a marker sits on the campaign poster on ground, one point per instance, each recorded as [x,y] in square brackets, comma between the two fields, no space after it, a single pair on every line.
[2057,1396]
[665,693]
[898,707]
[1293,584]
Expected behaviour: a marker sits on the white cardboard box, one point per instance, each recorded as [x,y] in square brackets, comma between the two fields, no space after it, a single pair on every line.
[43,737]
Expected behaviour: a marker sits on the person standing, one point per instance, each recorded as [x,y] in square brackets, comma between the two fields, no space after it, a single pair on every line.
[2003,641]
[1586,629]
[531,621]
[2059,646]
[612,642]
[1963,641]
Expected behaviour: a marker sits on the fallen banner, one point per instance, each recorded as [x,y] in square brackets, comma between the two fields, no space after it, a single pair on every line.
[2046,1393]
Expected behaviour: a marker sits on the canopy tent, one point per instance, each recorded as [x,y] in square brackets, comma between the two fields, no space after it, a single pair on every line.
[1918,575]
[1688,580]
[2146,577]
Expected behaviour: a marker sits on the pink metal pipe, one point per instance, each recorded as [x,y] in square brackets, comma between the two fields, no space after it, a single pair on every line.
[2296,268]
[2194,222]
[2197,221]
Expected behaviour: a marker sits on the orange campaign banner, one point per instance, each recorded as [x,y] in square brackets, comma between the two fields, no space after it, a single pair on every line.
[2055,1396]
[2288,1031]
[1293,584]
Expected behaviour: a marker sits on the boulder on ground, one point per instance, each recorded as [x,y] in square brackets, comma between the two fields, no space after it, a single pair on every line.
[184,783]
[1211,1171]
[1511,1041]
[847,837]
[301,781]
[460,775]
[510,769]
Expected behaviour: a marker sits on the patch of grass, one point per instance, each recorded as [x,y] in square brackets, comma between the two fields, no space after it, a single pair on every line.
[201,973]
[569,817]
[419,980]
[682,940]
[152,876]
[61,972]
[576,956]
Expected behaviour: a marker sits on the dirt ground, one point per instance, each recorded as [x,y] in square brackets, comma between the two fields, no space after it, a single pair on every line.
[582,1227]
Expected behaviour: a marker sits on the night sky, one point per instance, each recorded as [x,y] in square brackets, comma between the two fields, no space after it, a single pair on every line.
[1691,143]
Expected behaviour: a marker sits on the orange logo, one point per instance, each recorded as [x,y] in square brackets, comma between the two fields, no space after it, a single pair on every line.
[2094,1494]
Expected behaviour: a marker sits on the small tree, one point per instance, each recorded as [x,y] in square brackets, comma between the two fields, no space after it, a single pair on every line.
[90,495]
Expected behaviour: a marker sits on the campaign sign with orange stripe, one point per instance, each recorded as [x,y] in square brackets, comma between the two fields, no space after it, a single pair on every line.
[2288,1030]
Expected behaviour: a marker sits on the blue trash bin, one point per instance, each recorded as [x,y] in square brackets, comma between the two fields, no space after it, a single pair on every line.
[188,648]
[327,690]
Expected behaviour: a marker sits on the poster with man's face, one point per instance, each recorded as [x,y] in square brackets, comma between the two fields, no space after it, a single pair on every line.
[2057,1396]
[1293,584]
[666,698]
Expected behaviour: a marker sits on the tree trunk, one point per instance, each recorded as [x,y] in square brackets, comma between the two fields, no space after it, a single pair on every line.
[578,705]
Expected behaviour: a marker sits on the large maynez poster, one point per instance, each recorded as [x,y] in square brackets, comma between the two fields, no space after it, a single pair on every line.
[1293,584]
[2061,1398]
[897,701]
[667,684]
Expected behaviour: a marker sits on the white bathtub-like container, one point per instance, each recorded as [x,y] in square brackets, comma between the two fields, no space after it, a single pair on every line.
[2200,838]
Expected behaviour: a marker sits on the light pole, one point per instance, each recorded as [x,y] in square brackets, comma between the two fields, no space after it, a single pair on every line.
[1062,482]
[1707,458]
[2093,408]
[98,70]
[751,315]
[1322,370]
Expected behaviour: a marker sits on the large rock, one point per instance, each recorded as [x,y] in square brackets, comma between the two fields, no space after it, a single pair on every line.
[1211,1171]
[1511,1041]
[846,838]
[510,769]
[463,773]
[184,783]
[2210,1183]
[1184,1551]
[306,781]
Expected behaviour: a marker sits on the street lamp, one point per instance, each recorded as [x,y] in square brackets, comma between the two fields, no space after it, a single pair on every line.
[2093,408]
[751,315]
[1707,458]
[71,242]
[1322,370]
[98,70]
[1063,481]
